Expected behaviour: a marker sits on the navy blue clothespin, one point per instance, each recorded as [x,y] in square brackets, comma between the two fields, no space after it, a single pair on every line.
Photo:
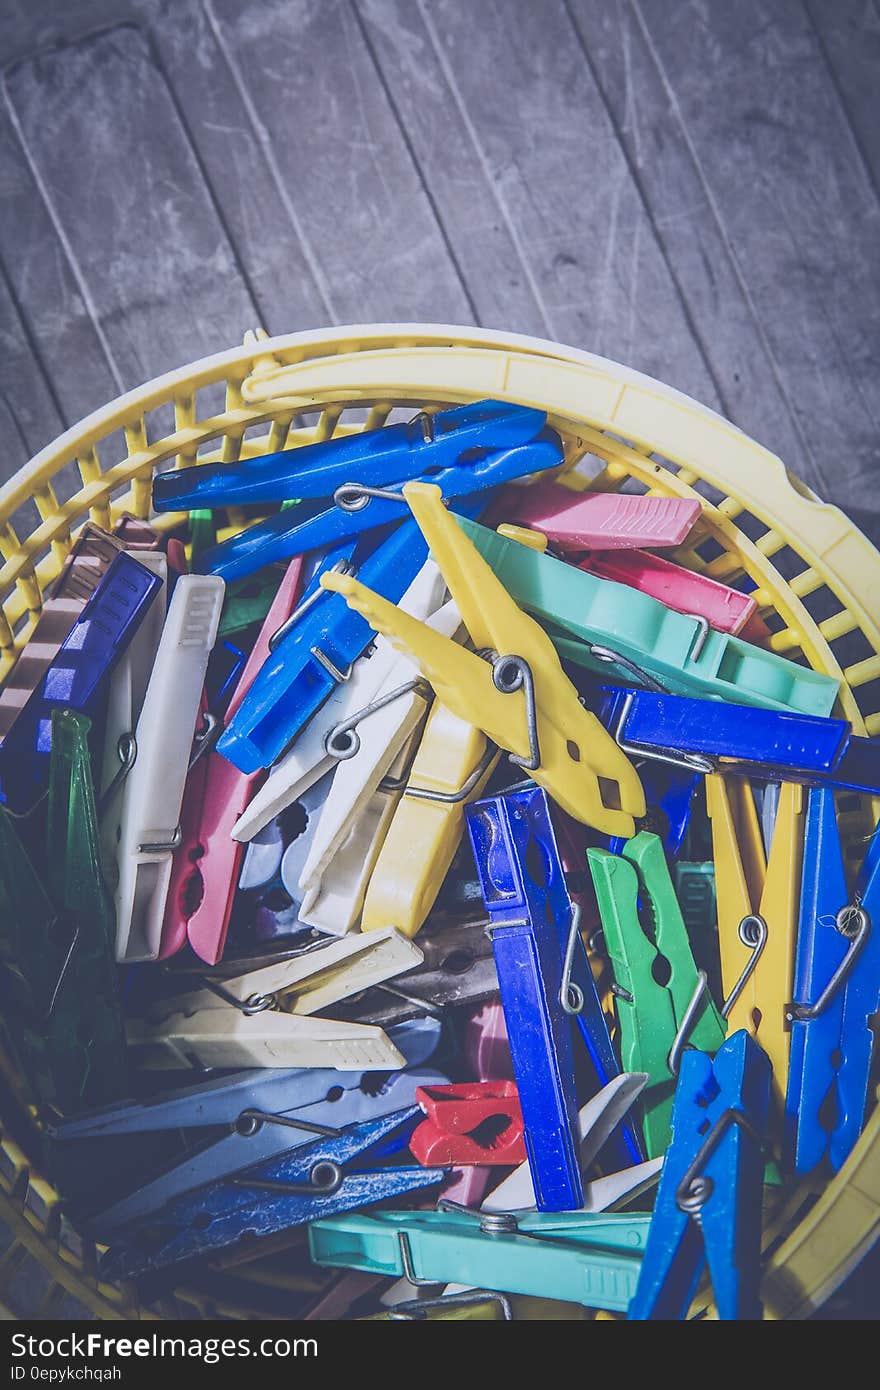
[315,1180]
[546,985]
[708,1206]
[75,677]
[836,992]
[267,1113]
[772,744]
[669,794]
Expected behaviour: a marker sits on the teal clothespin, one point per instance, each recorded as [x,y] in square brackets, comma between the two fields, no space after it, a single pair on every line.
[653,1014]
[583,612]
[576,1257]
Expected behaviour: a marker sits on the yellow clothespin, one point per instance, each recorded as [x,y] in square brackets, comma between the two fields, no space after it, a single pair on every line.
[519,695]
[758,901]
[451,767]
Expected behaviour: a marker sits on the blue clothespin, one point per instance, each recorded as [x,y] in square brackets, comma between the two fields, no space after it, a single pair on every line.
[361,506]
[669,794]
[75,678]
[708,1206]
[378,458]
[267,1112]
[315,1180]
[546,984]
[836,992]
[766,743]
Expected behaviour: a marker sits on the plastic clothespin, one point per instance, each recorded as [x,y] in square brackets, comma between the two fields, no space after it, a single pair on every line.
[546,986]
[576,1256]
[469,1123]
[206,863]
[596,623]
[136,534]
[597,1120]
[248,601]
[522,699]
[757,901]
[323,1177]
[76,676]
[669,794]
[599,520]
[266,1113]
[334,735]
[152,795]
[485,1051]
[656,1020]
[763,743]
[836,994]
[725,609]
[315,656]
[316,978]
[64,994]
[91,556]
[452,765]
[708,1206]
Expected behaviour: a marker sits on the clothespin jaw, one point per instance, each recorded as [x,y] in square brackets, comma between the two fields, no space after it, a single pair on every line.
[836,993]
[708,1206]
[650,1013]
[470,1123]
[548,730]
[757,914]
[313,1181]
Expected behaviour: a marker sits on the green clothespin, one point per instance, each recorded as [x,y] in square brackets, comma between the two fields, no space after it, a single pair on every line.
[576,1257]
[248,600]
[202,535]
[83,1007]
[688,657]
[657,980]
[27,935]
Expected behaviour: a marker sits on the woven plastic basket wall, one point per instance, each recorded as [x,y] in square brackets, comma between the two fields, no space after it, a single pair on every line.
[818,585]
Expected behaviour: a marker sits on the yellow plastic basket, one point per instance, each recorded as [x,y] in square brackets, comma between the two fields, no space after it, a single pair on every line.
[818,587]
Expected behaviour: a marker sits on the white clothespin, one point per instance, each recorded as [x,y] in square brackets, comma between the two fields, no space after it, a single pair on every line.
[319,977]
[226,1037]
[153,791]
[358,780]
[308,758]
[125,698]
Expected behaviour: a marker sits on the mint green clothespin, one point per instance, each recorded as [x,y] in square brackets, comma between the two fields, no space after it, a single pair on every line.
[582,612]
[660,993]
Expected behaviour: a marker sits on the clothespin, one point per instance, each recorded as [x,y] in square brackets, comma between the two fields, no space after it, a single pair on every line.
[725,609]
[315,979]
[451,767]
[248,601]
[332,734]
[708,1207]
[207,861]
[836,994]
[573,1256]
[757,914]
[595,623]
[314,656]
[558,741]
[307,1184]
[597,1121]
[669,795]
[151,798]
[546,985]
[76,676]
[58,980]
[90,557]
[598,520]
[266,1114]
[655,1019]
[469,1123]
[764,743]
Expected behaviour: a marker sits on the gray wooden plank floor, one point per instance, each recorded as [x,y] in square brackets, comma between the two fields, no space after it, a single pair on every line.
[686,185]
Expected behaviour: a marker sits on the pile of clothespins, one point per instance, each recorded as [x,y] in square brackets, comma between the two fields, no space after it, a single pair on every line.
[470,870]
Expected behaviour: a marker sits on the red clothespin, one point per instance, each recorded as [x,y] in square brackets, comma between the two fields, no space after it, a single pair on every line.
[207,864]
[485,1049]
[724,608]
[472,1122]
[597,520]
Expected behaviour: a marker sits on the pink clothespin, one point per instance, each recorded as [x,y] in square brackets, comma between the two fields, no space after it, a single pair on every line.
[723,608]
[597,520]
[207,863]
[486,1050]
